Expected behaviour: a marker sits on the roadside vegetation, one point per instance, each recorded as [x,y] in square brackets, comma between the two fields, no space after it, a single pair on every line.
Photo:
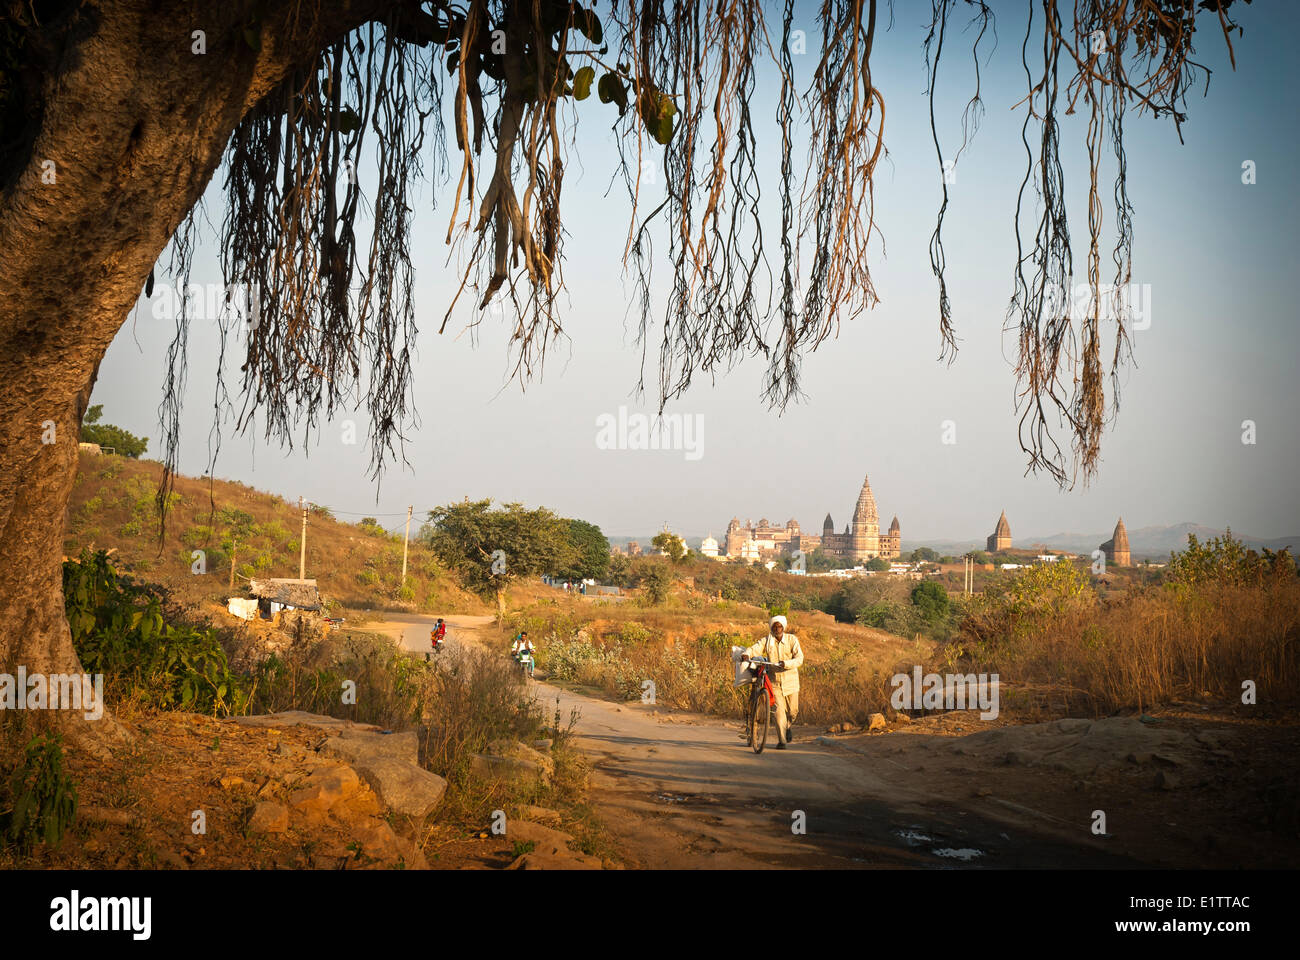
[1222,617]
[155,661]
[1219,617]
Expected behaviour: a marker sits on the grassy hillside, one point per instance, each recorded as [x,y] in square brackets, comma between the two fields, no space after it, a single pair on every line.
[358,567]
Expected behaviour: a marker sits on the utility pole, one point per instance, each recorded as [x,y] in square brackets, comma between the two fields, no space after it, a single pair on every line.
[405,541]
[302,554]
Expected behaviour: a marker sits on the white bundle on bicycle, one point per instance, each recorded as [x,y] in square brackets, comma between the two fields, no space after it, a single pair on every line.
[744,674]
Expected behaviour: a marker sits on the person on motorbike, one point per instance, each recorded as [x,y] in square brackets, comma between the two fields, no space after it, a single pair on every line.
[436,636]
[523,647]
[783,650]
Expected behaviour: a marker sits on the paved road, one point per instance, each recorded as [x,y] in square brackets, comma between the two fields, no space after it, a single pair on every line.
[683,791]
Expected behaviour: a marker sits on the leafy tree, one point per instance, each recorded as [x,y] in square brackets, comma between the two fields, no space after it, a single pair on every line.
[491,549]
[671,545]
[106,435]
[294,104]
[236,527]
[619,568]
[589,552]
[1227,560]
[925,555]
[980,556]
[877,564]
[656,583]
[931,599]
[818,561]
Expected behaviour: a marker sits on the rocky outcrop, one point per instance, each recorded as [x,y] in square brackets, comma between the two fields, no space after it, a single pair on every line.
[389,764]
[549,849]
[512,762]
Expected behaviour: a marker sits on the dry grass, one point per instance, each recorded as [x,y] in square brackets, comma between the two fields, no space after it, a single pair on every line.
[1149,648]
[684,649]
[358,568]
[1224,617]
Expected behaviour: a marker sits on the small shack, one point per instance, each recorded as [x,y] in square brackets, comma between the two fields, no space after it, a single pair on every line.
[280,593]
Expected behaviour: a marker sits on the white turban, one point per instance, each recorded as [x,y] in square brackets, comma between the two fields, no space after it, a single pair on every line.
[777,619]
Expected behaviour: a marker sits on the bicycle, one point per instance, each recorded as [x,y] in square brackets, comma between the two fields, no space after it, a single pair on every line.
[760,710]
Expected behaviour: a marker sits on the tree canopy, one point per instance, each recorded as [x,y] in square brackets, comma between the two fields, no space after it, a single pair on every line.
[588,552]
[491,548]
[123,442]
[670,545]
[330,308]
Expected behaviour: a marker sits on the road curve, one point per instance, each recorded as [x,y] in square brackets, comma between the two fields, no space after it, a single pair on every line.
[682,790]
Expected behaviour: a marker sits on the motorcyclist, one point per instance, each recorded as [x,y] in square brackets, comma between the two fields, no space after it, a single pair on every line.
[522,647]
[436,635]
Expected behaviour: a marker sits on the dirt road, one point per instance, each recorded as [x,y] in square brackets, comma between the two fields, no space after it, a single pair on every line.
[683,791]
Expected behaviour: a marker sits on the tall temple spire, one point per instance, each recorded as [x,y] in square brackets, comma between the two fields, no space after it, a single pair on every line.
[865,511]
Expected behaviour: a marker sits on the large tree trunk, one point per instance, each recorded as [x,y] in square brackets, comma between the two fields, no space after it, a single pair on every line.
[134,124]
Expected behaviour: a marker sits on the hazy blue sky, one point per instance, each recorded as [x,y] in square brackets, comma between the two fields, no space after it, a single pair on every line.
[1220,258]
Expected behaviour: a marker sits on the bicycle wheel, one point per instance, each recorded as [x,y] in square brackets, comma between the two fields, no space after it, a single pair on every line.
[760,717]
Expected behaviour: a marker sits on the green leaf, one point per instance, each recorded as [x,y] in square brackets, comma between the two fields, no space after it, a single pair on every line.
[657,113]
[582,81]
[611,90]
[588,24]
[349,121]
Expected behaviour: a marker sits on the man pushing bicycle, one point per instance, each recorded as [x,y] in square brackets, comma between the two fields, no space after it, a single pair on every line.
[782,649]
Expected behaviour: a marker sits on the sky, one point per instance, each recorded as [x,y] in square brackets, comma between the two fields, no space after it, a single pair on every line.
[1219,257]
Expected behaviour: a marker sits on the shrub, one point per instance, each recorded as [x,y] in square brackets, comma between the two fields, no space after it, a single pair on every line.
[656,583]
[931,599]
[118,630]
[42,799]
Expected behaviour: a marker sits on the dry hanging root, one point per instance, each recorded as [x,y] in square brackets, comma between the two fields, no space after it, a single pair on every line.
[334,313]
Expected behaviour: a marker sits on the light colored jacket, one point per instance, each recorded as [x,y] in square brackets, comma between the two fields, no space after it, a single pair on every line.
[787,680]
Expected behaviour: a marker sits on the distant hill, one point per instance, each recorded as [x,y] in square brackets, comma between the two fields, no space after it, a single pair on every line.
[1152,542]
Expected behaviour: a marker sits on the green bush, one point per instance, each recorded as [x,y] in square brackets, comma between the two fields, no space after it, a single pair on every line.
[118,630]
[41,800]
[656,583]
[931,599]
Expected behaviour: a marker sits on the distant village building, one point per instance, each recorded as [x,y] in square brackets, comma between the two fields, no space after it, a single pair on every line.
[768,538]
[709,547]
[1000,538]
[861,539]
[1116,548]
[279,593]
[633,548]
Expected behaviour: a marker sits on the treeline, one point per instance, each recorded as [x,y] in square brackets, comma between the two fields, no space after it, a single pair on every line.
[899,606]
[491,547]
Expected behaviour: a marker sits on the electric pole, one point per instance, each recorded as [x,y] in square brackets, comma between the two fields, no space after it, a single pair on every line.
[405,541]
[302,554]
